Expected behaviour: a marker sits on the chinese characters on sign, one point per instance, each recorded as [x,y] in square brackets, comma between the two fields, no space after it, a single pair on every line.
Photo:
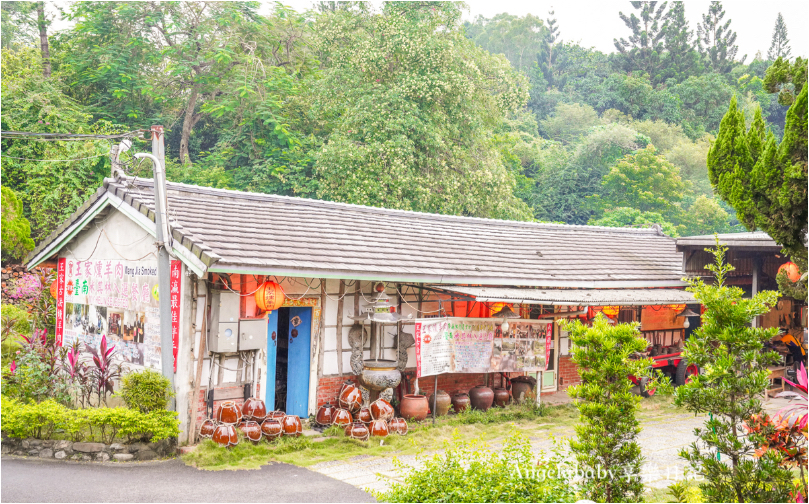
[60,301]
[176,287]
[113,298]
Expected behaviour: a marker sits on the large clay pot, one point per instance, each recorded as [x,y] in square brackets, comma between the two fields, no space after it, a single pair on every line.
[381,410]
[365,416]
[277,415]
[229,413]
[292,426]
[379,428]
[414,407]
[341,417]
[442,403]
[207,428]
[325,415]
[398,425]
[357,430]
[481,397]
[225,435]
[460,401]
[350,398]
[520,390]
[251,430]
[501,397]
[271,428]
[380,374]
[254,409]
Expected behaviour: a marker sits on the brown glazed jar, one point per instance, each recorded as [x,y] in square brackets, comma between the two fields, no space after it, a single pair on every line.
[341,417]
[225,435]
[398,425]
[254,409]
[365,416]
[271,428]
[251,430]
[481,397]
[207,428]
[442,403]
[414,407]
[350,398]
[501,397]
[276,415]
[325,415]
[379,428]
[292,426]
[357,430]
[460,401]
[229,413]
[381,410]
[520,390]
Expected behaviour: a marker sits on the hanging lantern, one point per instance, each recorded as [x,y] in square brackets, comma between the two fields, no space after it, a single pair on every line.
[269,297]
[792,271]
[611,311]
[676,307]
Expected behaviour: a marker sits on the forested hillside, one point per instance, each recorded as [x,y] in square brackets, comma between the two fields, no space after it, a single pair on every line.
[406,108]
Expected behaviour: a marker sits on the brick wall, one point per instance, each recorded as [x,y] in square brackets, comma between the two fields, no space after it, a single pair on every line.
[202,400]
[568,373]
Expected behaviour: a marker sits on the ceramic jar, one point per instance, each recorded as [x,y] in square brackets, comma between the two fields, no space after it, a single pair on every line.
[341,417]
[481,397]
[357,430]
[398,425]
[207,428]
[225,435]
[251,430]
[292,426]
[350,397]
[379,428]
[520,390]
[460,401]
[325,415]
[381,410]
[365,416]
[271,428]
[442,403]
[414,407]
[380,374]
[277,415]
[229,413]
[501,397]
[254,409]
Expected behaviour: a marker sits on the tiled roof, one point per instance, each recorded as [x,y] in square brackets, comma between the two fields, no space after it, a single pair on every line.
[233,231]
[587,297]
[756,239]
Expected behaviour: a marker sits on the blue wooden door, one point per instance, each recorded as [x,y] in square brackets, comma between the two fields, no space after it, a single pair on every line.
[300,337]
[272,351]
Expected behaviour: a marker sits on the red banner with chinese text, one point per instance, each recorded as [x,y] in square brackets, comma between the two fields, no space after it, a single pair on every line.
[548,341]
[60,301]
[176,287]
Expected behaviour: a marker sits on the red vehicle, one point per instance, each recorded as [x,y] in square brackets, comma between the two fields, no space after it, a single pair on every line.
[673,365]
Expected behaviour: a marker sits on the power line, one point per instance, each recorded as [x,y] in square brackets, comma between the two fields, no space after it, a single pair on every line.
[53,160]
[67,136]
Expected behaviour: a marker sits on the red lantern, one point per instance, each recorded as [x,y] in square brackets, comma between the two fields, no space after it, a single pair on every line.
[792,271]
[611,311]
[269,297]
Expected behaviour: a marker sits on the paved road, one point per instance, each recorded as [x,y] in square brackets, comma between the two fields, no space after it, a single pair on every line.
[32,480]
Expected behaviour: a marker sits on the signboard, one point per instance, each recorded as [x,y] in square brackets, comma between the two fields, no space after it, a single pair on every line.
[470,345]
[176,287]
[60,301]
[115,298]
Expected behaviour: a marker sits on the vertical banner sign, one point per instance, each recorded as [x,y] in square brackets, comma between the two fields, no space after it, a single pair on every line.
[60,301]
[176,283]
[548,341]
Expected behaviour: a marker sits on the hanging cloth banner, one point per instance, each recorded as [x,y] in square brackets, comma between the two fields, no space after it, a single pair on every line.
[469,345]
[60,301]
[176,287]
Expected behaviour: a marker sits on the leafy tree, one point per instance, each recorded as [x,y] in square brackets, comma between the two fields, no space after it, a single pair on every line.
[569,122]
[519,38]
[645,181]
[410,105]
[17,26]
[632,217]
[705,216]
[702,100]
[716,41]
[733,375]
[681,59]
[604,145]
[779,48]
[642,52]
[664,136]
[691,159]
[634,96]
[16,229]
[606,434]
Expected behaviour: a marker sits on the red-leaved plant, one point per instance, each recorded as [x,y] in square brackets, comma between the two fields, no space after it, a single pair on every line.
[104,371]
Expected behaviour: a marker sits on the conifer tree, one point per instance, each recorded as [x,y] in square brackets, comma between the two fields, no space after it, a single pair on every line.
[547,58]
[642,51]
[681,59]
[716,41]
[780,43]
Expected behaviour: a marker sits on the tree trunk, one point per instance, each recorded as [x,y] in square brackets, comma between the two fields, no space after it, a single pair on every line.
[188,124]
[43,39]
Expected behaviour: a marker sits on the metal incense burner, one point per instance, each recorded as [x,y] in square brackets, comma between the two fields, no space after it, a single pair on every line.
[377,374]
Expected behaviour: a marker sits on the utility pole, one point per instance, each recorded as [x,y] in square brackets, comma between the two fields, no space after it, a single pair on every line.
[158,158]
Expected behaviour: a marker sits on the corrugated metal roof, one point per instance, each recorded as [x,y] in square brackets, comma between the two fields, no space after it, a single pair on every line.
[756,239]
[233,231]
[586,297]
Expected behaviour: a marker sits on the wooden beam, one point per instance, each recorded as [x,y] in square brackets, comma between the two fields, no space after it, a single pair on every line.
[322,335]
[339,342]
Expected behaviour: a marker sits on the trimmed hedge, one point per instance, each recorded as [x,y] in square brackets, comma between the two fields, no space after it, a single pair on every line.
[48,419]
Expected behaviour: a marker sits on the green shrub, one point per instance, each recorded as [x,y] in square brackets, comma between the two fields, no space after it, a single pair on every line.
[469,471]
[42,420]
[146,391]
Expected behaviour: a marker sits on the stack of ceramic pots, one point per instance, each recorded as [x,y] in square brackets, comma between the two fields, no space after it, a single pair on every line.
[227,417]
[251,419]
[350,397]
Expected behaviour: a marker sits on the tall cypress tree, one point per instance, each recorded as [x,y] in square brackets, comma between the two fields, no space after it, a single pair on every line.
[681,59]
[716,41]
[642,51]
[780,43]
[547,58]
